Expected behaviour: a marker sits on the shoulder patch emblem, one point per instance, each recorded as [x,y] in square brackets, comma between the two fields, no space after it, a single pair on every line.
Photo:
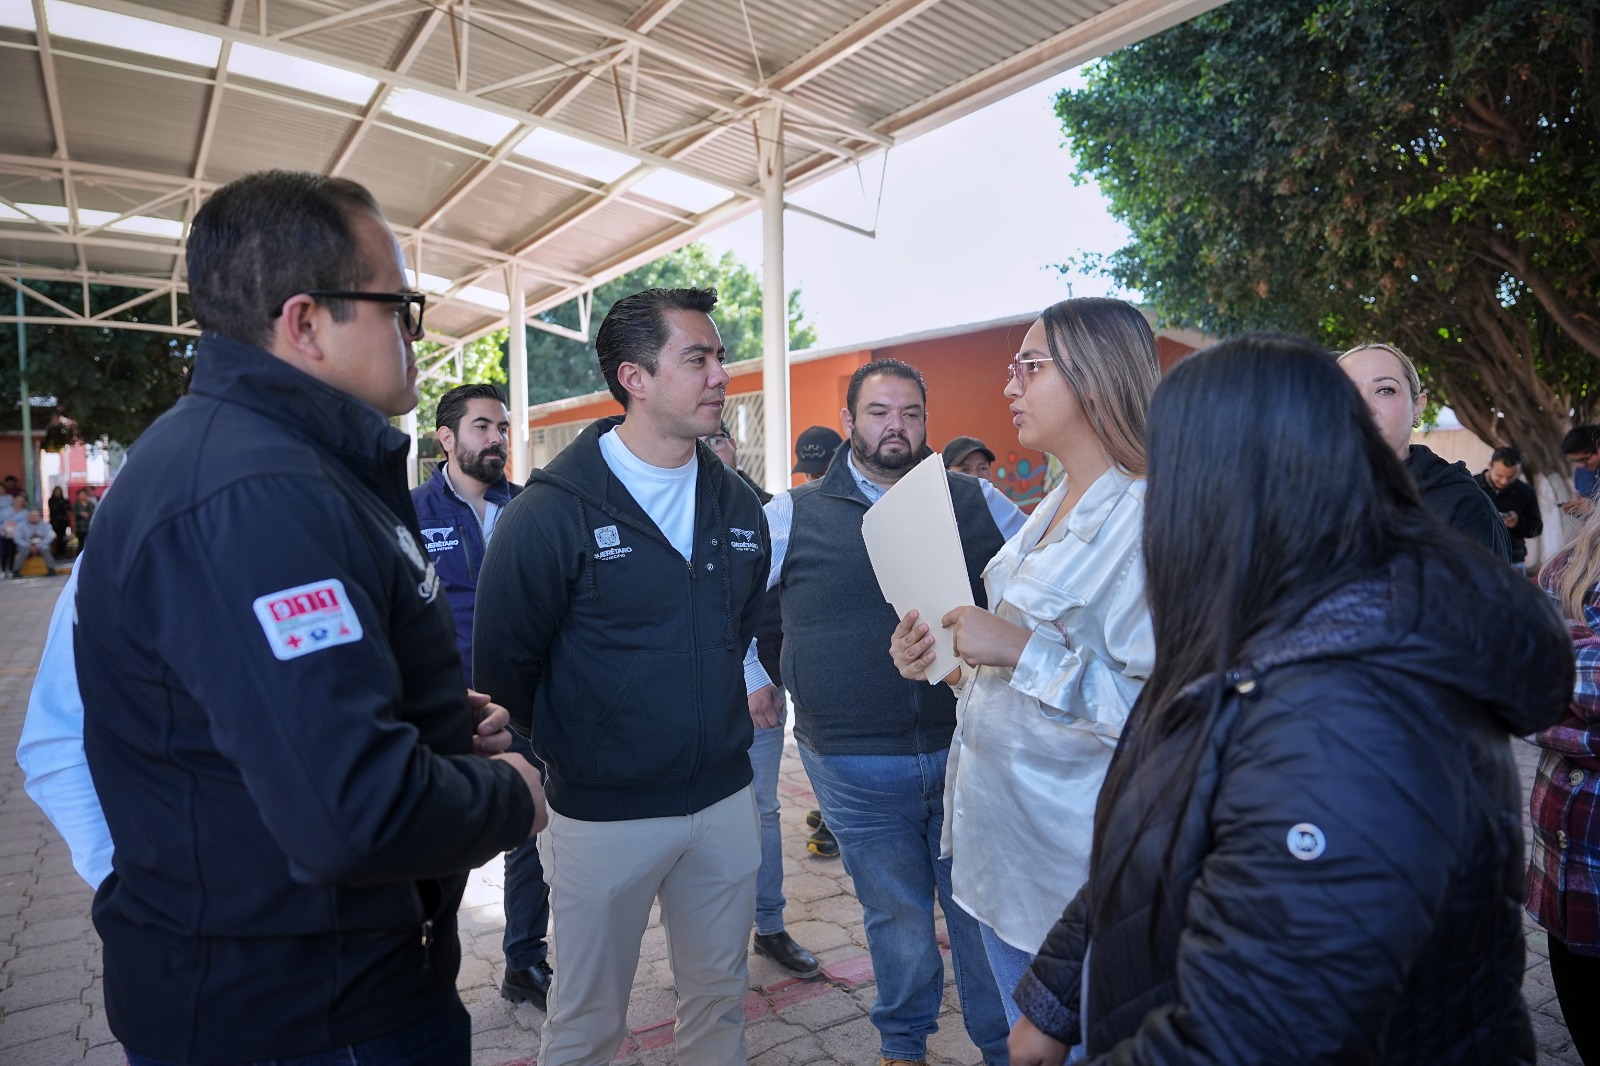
[408,546]
[742,540]
[307,618]
[1306,842]
[607,537]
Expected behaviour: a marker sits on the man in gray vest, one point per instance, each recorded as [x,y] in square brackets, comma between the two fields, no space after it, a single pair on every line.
[873,743]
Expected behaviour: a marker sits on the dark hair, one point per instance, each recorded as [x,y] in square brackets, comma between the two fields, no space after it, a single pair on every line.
[892,367]
[1507,456]
[266,237]
[453,404]
[1332,504]
[1580,440]
[635,330]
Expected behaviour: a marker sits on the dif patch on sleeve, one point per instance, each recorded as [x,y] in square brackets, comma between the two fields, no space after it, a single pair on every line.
[307,618]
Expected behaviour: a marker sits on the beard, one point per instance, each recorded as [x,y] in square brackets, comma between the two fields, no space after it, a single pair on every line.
[487,466]
[873,457]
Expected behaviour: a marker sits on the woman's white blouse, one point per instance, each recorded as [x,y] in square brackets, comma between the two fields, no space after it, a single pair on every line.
[1032,744]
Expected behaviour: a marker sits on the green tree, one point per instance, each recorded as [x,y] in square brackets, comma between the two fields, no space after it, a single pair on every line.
[559,367]
[1418,171]
[106,383]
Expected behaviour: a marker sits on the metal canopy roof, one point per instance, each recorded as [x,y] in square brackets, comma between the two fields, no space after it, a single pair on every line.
[573,139]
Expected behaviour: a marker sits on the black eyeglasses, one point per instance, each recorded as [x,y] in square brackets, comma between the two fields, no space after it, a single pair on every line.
[717,439]
[415,303]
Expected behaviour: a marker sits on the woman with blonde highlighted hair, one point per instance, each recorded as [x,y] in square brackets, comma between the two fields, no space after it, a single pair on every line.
[1054,667]
[1387,380]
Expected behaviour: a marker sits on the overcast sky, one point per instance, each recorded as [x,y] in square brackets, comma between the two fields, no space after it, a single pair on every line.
[974,216]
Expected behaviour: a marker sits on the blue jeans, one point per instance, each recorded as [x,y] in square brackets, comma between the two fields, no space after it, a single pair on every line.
[887,812]
[527,897]
[766,754]
[1008,965]
[443,1038]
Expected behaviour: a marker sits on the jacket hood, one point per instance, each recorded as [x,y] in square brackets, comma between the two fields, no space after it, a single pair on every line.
[1432,472]
[1447,619]
[581,470]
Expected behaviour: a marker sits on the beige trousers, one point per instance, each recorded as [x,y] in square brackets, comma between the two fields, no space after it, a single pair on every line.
[603,877]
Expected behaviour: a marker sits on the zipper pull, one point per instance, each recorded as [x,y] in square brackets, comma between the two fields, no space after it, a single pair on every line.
[427,945]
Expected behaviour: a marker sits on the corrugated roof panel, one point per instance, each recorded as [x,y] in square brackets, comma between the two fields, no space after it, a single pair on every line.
[406,175]
[731,153]
[145,113]
[496,52]
[377,42]
[130,118]
[254,133]
[25,118]
[497,211]
[609,232]
[715,29]
[209,10]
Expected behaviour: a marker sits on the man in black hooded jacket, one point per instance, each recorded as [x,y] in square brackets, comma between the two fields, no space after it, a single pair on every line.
[614,607]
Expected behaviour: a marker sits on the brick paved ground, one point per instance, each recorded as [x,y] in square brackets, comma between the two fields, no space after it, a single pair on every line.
[50,1000]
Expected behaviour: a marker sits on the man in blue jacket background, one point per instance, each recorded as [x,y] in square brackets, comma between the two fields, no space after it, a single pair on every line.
[458,509]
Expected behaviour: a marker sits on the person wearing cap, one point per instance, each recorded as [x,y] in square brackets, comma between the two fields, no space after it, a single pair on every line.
[968,455]
[813,450]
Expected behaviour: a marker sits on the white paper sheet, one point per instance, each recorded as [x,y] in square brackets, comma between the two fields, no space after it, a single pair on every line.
[916,552]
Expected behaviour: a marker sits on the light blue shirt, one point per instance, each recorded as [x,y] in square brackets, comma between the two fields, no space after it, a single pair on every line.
[780,521]
[55,771]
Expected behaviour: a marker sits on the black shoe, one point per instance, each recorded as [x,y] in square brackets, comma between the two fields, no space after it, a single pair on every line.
[814,819]
[781,949]
[528,986]
[822,843]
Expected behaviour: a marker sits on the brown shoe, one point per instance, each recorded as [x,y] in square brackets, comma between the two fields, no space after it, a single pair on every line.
[902,1062]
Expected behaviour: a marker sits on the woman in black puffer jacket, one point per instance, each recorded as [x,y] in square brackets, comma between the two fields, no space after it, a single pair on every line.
[1308,849]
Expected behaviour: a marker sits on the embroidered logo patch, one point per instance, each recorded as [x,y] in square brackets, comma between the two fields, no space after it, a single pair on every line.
[607,537]
[438,540]
[408,546]
[1306,842]
[742,540]
[307,618]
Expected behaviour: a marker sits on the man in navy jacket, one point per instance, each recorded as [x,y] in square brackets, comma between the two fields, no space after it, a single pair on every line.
[458,509]
[274,713]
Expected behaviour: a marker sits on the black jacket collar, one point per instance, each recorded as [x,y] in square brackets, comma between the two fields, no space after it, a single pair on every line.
[238,373]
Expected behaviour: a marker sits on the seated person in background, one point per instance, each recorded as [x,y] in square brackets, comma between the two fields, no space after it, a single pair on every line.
[32,536]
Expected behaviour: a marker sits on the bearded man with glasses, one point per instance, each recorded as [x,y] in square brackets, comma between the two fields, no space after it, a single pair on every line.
[295,777]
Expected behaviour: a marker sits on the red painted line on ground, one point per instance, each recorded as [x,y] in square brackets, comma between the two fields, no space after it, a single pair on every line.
[847,976]
[851,973]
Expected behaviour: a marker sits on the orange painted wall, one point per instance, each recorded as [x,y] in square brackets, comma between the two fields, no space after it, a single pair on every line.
[11,456]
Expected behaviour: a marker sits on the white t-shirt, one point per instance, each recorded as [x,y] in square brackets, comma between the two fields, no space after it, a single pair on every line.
[666,494]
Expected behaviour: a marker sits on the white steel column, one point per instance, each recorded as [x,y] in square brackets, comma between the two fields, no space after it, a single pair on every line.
[517,353]
[774,302]
[408,422]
